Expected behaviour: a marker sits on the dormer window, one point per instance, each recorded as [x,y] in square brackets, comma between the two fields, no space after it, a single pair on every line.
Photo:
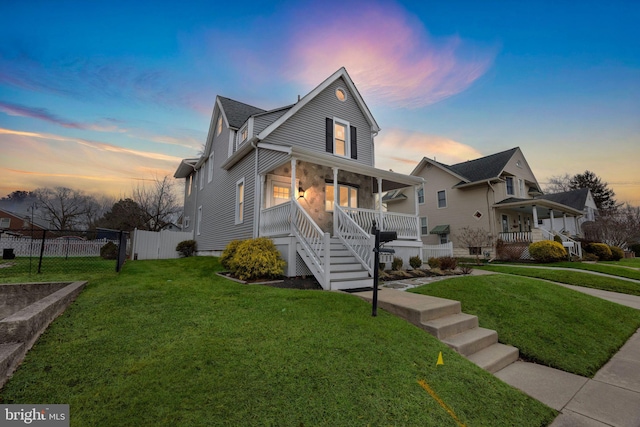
[243,134]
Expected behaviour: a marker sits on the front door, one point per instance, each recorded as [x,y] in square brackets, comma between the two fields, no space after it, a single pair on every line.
[505,224]
[278,190]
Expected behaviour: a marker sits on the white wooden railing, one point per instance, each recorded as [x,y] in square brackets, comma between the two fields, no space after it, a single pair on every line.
[359,242]
[276,220]
[315,242]
[516,237]
[437,251]
[574,248]
[406,225]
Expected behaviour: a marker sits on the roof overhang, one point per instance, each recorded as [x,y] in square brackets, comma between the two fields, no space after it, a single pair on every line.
[185,168]
[441,229]
[526,205]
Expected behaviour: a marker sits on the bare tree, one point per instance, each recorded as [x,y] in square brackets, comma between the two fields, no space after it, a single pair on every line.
[615,227]
[558,184]
[474,238]
[159,202]
[64,208]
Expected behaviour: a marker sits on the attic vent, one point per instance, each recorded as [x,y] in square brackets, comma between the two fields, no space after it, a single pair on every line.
[519,163]
[341,94]
[477,215]
[429,165]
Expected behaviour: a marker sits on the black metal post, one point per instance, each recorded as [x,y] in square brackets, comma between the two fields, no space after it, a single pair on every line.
[44,235]
[376,263]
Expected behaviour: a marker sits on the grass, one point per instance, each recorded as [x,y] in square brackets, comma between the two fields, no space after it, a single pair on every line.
[170,343]
[24,269]
[611,269]
[576,278]
[551,325]
[627,262]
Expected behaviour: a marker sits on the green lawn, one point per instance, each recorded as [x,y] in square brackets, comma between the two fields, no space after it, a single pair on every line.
[550,324]
[26,269]
[170,343]
[613,269]
[576,278]
[629,262]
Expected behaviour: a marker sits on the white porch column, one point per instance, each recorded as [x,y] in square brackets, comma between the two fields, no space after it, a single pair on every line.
[380,214]
[416,188]
[564,221]
[578,229]
[336,200]
[552,218]
[293,190]
[535,216]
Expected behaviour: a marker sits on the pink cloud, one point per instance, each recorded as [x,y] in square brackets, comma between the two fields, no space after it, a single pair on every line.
[388,53]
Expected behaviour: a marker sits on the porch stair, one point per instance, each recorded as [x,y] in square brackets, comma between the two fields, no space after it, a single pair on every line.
[443,318]
[345,270]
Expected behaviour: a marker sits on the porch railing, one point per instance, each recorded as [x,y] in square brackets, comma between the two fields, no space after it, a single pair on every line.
[516,237]
[276,220]
[315,242]
[355,238]
[574,248]
[406,225]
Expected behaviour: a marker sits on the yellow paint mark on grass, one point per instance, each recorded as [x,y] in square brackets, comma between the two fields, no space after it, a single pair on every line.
[440,361]
[433,394]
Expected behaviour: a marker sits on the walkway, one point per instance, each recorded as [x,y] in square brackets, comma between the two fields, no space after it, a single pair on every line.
[611,398]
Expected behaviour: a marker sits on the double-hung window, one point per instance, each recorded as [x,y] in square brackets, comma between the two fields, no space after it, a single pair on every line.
[421,195]
[521,187]
[509,182]
[347,196]
[210,168]
[442,199]
[424,226]
[240,201]
[341,138]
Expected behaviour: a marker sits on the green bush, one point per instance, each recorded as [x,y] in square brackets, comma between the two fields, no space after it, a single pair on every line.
[547,251]
[186,247]
[433,262]
[635,249]
[228,253]
[381,266]
[616,253]
[109,251]
[396,264]
[601,250]
[415,262]
[257,259]
[557,239]
[587,256]
[448,263]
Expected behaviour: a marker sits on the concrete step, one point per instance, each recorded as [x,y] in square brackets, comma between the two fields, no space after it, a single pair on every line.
[472,341]
[351,284]
[10,353]
[495,357]
[453,324]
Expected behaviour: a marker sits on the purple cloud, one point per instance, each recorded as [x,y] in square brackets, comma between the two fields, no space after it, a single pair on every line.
[38,113]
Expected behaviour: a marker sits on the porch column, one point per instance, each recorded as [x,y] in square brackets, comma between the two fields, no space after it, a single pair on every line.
[293,188]
[564,221]
[578,228]
[535,216]
[416,211]
[380,214]
[552,218]
[336,200]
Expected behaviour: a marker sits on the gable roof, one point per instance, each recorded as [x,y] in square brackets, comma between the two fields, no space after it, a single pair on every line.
[341,73]
[484,168]
[575,198]
[237,112]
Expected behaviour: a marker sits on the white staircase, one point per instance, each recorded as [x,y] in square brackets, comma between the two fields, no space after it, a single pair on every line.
[345,272]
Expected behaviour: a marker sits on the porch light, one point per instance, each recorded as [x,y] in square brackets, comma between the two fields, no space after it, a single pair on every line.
[300,193]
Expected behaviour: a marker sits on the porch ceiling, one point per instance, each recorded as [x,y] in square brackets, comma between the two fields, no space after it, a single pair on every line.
[390,180]
[544,207]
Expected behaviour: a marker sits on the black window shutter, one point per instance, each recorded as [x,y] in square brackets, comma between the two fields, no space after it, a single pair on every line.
[354,143]
[329,135]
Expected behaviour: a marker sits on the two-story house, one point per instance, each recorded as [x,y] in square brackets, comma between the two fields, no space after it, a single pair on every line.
[303,175]
[498,193]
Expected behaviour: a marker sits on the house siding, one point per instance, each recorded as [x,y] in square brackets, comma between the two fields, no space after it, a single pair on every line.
[269,159]
[306,128]
[261,121]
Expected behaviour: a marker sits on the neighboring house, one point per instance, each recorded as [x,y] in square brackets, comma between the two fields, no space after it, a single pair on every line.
[278,173]
[14,224]
[581,200]
[497,193]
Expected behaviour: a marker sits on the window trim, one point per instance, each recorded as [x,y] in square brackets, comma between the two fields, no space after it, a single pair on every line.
[344,94]
[201,173]
[508,179]
[424,229]
[418,195]
[347,137]
[240,201]
[7,221]
[443,238]
[438,199]
[210,168]
[327,192]
[521,187]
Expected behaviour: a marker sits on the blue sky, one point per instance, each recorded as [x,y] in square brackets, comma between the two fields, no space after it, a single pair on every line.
[101,96]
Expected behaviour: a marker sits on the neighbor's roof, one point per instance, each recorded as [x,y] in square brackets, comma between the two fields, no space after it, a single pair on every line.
[483,168]
[575,198]
[237,112]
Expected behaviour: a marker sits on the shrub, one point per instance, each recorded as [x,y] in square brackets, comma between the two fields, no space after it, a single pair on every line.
[415,262]
[616,253]
[256,259]
[635,249]
[448,263]
[557,239]
[466,269]
[109,251]
[228,253]
[186,247]
[600,250]
[547,251]
[381,266]
[396,264]
[587,256]
[433,262]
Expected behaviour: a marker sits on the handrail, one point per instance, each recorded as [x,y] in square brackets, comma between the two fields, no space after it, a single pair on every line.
[574,250]
[276,220]
[406,225]
[312,238]
[357,241]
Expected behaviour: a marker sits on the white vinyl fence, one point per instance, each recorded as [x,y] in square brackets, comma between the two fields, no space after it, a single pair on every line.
[157,245]
[56,247]
[437,251]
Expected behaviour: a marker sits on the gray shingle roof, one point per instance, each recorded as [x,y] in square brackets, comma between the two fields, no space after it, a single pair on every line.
[238,112]
[576,198]
[483,168]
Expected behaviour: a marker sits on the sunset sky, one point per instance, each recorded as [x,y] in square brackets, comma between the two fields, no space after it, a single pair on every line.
[101,96]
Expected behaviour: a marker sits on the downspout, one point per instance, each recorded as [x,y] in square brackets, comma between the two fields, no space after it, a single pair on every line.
[257,195]
[491,223]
